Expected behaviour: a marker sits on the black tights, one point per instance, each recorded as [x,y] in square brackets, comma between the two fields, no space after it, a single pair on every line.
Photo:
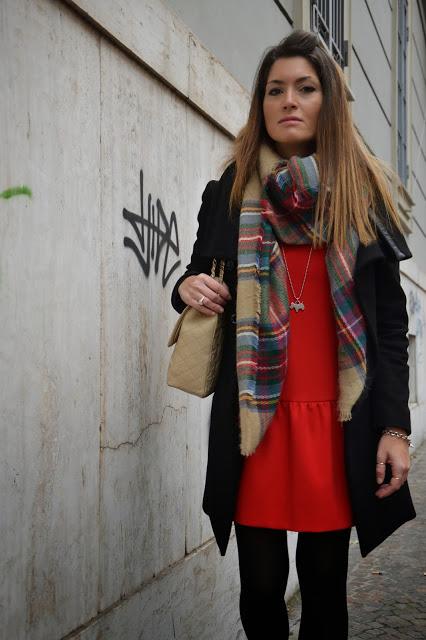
[322,566]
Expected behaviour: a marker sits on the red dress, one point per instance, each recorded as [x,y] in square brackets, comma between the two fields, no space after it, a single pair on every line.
[296,479]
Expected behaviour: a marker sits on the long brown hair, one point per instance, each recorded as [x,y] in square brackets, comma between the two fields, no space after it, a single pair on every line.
[357,178]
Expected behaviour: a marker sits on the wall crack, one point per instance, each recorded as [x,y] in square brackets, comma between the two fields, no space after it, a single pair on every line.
[134,443]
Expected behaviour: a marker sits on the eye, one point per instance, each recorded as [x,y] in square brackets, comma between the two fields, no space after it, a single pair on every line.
[276,90]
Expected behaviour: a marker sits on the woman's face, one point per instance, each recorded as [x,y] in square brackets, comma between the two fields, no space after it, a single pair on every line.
[291,106]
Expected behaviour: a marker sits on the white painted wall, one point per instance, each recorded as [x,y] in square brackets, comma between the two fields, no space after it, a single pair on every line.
[372,84]
[418,133]
[371,77]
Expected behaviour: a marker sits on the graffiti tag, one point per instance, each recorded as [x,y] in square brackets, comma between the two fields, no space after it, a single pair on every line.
[157,235]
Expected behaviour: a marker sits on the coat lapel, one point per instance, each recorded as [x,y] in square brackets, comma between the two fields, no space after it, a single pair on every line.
[393,245]
[366,254]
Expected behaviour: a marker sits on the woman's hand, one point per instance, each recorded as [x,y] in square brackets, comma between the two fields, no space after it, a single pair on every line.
[214,294]
[393,451]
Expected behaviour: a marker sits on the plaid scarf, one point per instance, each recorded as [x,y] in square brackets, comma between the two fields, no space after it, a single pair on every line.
[279,207]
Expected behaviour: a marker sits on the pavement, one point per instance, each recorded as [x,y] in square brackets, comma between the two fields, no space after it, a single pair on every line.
[387,589]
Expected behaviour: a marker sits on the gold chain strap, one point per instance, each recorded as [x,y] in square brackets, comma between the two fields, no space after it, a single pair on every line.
[221,269]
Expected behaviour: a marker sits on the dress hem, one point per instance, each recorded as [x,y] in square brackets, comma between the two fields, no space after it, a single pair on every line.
[310,530]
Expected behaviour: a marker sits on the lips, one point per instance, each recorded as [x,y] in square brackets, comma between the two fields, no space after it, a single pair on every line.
[289,120]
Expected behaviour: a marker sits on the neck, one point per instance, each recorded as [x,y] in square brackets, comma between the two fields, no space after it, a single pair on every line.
[286,151]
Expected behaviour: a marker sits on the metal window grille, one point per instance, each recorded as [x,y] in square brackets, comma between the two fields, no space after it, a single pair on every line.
[327,22]
[402,90]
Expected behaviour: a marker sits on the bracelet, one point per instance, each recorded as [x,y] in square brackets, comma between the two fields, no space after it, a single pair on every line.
[396,434]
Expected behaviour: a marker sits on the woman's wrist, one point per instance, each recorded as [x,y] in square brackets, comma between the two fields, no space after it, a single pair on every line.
[397,432]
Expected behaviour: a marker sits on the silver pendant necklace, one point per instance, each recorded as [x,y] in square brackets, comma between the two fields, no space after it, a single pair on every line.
[297,304]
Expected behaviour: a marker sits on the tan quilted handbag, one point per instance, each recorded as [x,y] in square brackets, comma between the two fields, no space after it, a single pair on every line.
[198,341]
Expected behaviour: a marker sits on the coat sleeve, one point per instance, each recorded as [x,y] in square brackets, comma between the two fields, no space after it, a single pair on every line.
[197,263]
[391,391]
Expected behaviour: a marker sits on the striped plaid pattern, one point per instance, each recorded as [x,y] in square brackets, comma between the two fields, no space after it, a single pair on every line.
[278,207]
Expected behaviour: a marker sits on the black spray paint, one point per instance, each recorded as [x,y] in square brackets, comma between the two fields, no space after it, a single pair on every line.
[156,235]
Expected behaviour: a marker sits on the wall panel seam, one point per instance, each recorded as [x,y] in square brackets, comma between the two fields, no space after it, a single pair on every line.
[371,86]
[378,34]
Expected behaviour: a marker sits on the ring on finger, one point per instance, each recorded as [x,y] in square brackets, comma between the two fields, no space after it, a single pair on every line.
[396,478]
[201,300]
[381,463]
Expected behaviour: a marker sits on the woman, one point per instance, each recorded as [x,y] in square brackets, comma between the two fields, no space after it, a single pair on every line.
[310,420]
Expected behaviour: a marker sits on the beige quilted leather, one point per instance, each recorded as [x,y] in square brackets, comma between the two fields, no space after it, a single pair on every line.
[196,357]
[195,360]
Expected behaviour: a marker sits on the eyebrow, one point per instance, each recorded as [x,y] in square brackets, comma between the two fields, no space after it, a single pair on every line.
[298,80]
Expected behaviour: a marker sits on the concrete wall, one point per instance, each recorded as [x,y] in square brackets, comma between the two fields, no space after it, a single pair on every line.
[235,35]
[49,296]
[117,114]
[101,464]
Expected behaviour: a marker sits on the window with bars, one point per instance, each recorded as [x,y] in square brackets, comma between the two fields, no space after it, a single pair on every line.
[402,90]
[327,21]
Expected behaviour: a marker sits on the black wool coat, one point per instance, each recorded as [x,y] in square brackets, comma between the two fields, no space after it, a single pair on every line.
[384,402]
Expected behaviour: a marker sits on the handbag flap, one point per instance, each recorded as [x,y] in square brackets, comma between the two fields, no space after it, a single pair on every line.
[176,329]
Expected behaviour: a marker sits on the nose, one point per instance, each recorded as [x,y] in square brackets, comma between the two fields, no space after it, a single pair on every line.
[289,98]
